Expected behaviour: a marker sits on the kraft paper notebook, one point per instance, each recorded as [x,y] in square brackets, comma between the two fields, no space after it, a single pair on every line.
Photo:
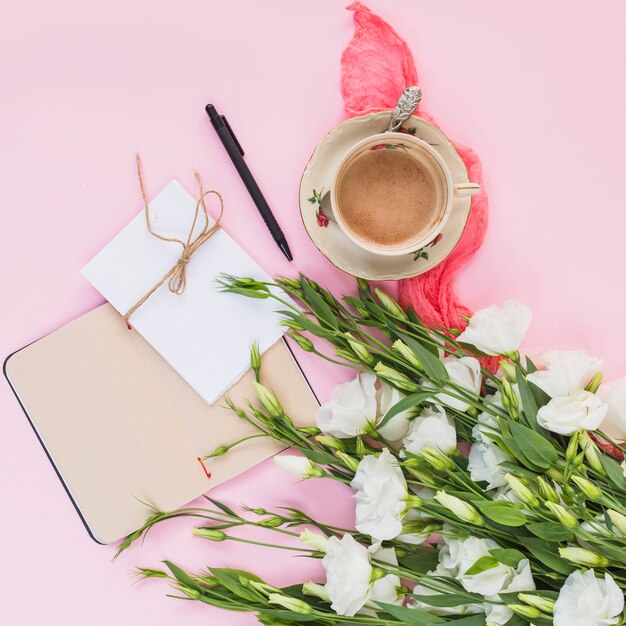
[121,426]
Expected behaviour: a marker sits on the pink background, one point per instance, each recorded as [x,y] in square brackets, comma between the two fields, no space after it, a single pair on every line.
[536,88]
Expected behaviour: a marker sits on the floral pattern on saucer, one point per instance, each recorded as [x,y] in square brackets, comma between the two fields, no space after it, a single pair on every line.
[322,218]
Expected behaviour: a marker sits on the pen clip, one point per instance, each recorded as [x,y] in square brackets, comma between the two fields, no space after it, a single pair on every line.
[234,138]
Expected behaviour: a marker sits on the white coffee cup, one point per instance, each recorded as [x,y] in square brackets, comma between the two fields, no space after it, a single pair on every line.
[430,160]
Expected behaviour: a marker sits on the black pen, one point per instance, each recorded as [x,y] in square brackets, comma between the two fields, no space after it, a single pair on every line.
[235,152]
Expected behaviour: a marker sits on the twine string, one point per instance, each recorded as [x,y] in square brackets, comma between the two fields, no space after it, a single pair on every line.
[176,277]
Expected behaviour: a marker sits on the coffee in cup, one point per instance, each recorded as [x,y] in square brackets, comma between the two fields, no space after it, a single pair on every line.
[392,193]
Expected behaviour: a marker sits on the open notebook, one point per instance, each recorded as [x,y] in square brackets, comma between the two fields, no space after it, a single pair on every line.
[122,427]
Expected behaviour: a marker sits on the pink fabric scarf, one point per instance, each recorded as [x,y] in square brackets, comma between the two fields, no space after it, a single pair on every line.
[376,67]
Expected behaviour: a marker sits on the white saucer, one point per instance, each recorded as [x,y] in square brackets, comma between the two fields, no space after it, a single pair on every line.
[329,238]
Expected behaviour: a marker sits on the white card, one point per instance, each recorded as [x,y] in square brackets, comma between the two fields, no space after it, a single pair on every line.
[205,335]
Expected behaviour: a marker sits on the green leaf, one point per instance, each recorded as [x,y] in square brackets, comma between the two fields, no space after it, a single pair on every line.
[502,513]
[222,506]
[471,620]
[614,471]
[536,448]
[547,555]
[483,564]
[433,367]
[507,556]
[408,402]
[409,616]
[420,563]
[518,470]
[541,397]
[317,456]
[550,531]
[231,580]
[528,401]
[444,599]
[531,368]
[317,304]
[182,577]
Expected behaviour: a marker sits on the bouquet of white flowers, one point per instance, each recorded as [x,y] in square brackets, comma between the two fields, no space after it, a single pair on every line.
[528,526]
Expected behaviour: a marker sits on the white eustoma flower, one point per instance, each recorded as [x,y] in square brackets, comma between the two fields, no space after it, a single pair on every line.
[457,556]
[567,414]
[566,372]
[432,428]
[352,409]
[614,424]
[520,579]
[349,576]
[484,460]
[585,600]
[358,405]
[298,465]
[380,494]
[466,373]
[399,424]
[498,330]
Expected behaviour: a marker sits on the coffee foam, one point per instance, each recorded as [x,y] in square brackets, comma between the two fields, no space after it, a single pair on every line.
[387,198]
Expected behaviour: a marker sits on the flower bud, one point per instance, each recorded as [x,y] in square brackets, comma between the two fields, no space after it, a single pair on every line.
[390,305]
[304,342]
[291,604]
[310,431]
[562,515]
[192,594]
[521,490]
[529,612]
[314,540]
[547,491]
[359,349]
[350,462]
[509,399]
[545,605]
[146,572]
[259,511]
[463,510]
[409,356]
[363,285]
[347,355]
[589,489]
[255,357]
[572,447]
[315,590]
[288,322]
[360,447]
[508,369]
[582,556]
[272,522]
[268,400]
[594,384]
[209,533]
[394,377]
[591,453]
[299,465]
[436,459]
[290,283]
[262,587]
[618,520]
[413,501]
[330,442]
[217,452]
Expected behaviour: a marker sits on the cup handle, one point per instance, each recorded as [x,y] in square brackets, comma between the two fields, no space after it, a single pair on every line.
[465,190]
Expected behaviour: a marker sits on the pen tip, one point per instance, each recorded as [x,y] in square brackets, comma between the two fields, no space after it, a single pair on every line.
[285,249]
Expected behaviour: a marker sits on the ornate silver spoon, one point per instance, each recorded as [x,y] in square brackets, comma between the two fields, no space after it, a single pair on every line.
[407,103]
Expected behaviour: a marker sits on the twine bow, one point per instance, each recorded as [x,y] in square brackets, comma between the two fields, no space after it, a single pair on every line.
[176,277]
